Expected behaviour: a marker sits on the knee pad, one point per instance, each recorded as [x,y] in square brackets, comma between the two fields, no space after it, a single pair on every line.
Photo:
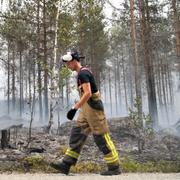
[101,143]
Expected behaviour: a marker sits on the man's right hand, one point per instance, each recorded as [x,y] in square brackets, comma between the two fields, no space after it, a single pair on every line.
[71,113]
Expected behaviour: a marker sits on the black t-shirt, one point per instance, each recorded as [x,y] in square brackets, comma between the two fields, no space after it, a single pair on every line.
[85,76]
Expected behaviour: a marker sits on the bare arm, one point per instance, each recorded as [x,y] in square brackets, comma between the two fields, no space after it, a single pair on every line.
[86,95]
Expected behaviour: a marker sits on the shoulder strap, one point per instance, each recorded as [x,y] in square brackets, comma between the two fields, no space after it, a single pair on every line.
[86,69]
[83,69]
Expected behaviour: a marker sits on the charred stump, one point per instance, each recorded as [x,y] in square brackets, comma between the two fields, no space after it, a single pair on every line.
[4,139]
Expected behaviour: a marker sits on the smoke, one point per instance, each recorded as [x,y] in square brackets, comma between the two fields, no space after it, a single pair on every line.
[167,117]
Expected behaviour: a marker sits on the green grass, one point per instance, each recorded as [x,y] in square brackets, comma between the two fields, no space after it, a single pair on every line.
[129,165]
[37,163]
[86,167]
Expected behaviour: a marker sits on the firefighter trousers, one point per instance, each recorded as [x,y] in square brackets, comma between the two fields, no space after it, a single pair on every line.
[91,120]
[104,143]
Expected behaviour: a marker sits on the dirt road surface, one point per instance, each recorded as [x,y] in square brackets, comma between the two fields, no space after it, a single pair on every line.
[125,176]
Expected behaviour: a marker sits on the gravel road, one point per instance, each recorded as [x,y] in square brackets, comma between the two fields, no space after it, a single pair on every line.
[125,176]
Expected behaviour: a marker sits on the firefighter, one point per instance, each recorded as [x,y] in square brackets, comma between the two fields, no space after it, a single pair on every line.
[91,119]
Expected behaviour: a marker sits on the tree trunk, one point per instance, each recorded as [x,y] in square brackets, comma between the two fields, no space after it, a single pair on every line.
[177,29]
[158,84]
[170,85]
[119,86]
[171,94]
[39,62]
[20,86]
[29,84]
[115,87]
[124,84]
[81,30]
[159,87]
[26,79]
[32,111]
[67,91]
[136,60]
[147,55]
[53,69]
[8,80]
[176,18]
[32,103]
[105,88]
[164,93]
[46,109]
[13,81]
[110,93]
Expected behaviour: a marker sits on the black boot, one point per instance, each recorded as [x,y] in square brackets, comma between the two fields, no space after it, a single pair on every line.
[62,167]
[112,170]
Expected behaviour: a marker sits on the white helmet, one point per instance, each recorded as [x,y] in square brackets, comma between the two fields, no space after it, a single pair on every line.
[67,57]
[71,56]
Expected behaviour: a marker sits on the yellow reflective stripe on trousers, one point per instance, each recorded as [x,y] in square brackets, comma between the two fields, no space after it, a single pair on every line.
[114,156]
[112,159]
[109,141]
[72,154]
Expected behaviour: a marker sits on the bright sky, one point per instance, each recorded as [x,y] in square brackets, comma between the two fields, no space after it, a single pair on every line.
[108,8]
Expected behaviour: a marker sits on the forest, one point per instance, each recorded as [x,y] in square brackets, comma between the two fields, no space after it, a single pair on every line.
[133,50]
[134,55]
